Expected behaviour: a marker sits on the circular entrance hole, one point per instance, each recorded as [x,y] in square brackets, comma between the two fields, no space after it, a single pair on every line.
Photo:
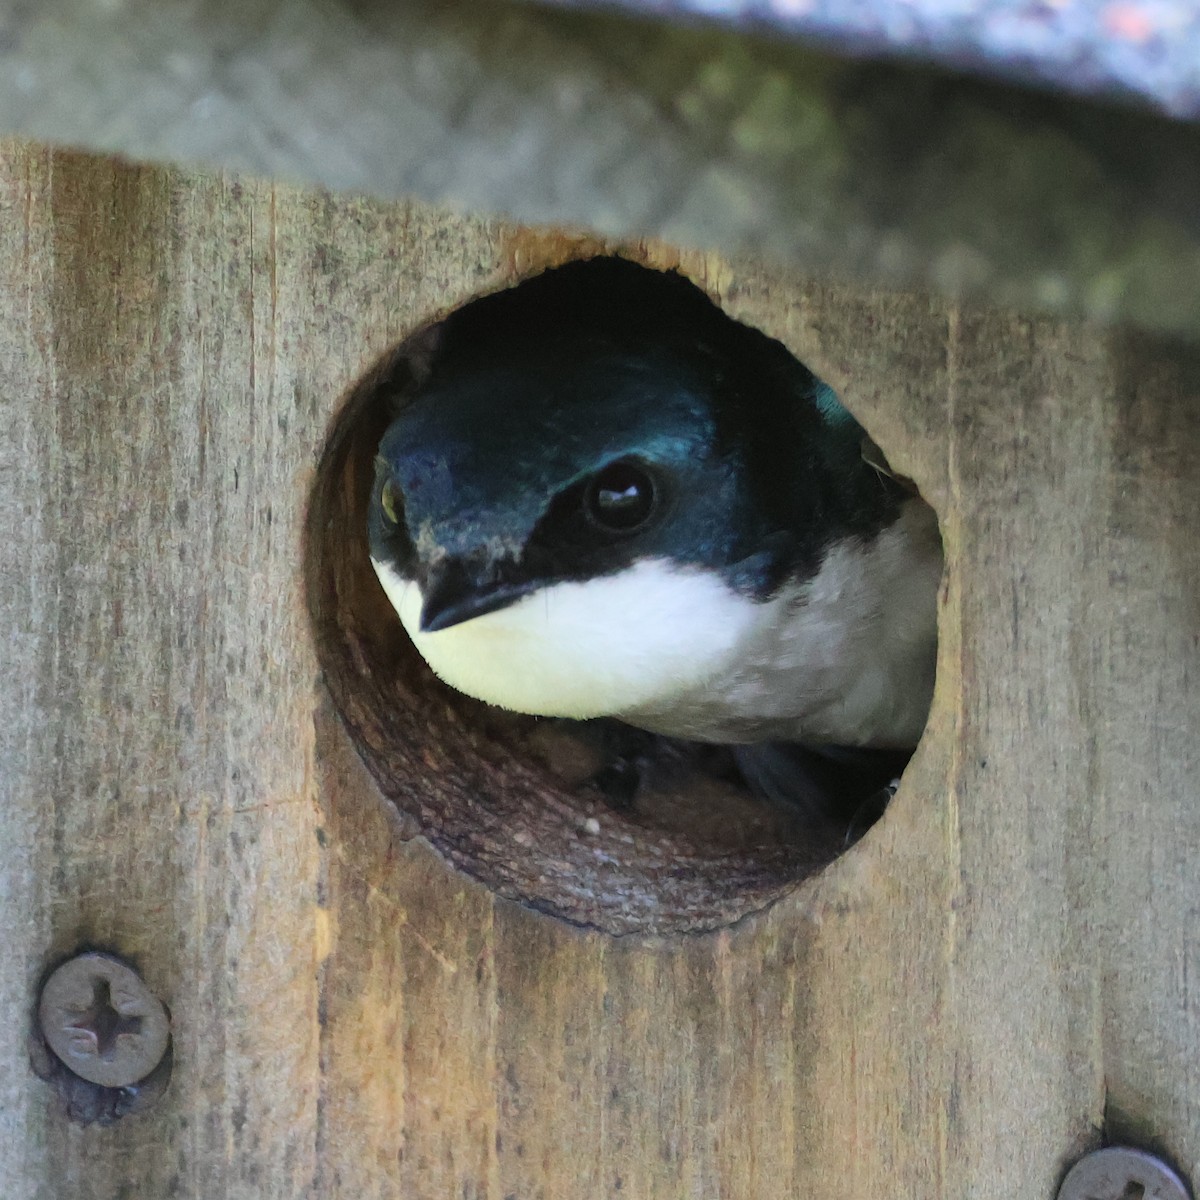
[534,808]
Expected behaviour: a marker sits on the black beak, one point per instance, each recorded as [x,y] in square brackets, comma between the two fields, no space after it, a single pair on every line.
[454,593]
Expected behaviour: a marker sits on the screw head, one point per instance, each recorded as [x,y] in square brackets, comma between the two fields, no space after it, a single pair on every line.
[1121,1173]
[102,1021]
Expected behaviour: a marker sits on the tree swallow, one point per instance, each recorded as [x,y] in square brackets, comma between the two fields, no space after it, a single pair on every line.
[609,499]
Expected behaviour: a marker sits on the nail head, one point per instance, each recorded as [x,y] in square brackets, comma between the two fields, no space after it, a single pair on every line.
[1122,1173]
[102,1021]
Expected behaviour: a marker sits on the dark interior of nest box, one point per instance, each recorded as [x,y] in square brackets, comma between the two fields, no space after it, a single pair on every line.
[519,802]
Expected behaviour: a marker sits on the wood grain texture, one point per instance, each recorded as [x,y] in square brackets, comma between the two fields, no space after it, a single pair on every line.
[953,1009]
[677,130]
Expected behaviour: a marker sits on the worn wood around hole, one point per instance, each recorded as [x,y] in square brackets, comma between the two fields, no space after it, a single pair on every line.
[477,779]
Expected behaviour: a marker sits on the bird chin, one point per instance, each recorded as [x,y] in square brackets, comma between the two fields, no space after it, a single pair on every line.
[584,649]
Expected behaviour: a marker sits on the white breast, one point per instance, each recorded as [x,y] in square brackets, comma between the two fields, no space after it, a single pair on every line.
[846,658]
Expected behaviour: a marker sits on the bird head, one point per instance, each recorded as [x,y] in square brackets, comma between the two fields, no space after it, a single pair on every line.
[602,476]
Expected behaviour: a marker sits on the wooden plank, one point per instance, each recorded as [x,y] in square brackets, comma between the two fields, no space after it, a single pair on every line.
[684,131]
[948,1011]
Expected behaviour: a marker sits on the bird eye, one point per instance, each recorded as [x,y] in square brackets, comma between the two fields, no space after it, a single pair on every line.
[391,501]
[620,498]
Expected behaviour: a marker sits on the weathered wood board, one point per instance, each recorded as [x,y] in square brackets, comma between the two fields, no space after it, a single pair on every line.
[952,1010]
[679,129]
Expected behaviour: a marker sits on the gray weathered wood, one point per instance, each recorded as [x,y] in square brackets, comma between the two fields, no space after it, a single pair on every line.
[949,1011]
[649,128]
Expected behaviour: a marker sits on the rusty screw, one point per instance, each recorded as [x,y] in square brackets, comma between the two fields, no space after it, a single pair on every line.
[102,1021]
[1120,1173]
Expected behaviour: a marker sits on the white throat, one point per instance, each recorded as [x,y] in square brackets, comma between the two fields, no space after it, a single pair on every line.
[588,649]
[846,658]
